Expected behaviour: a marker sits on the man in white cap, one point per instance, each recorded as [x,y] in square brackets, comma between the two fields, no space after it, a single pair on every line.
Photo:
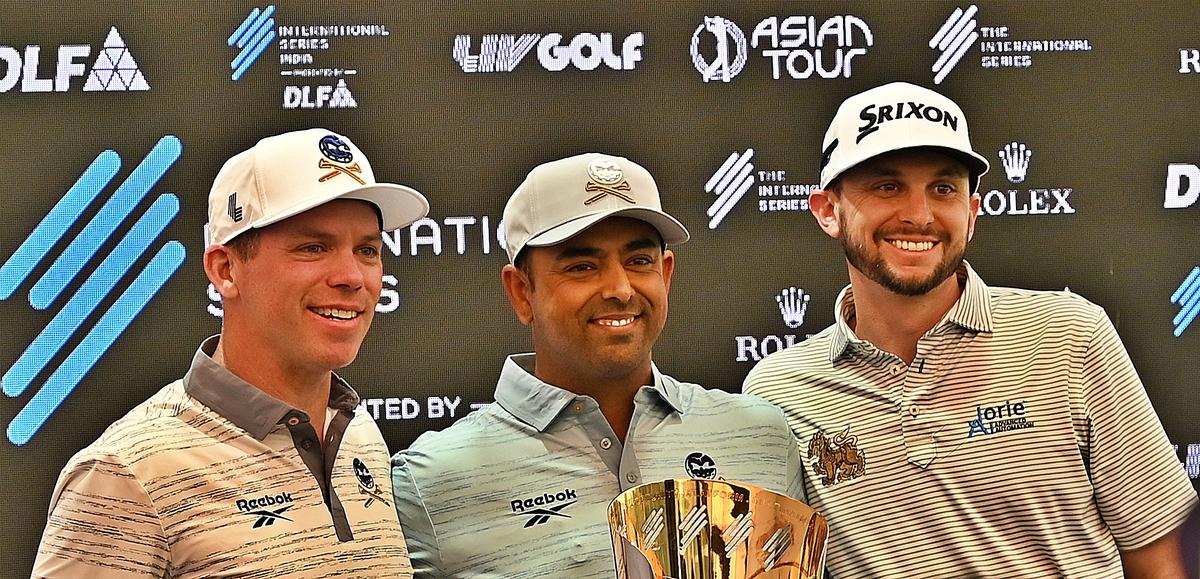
[521,488]
[957,429]
[258,462]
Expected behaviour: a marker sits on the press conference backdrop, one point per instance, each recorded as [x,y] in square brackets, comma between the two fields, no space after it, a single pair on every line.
[117,116]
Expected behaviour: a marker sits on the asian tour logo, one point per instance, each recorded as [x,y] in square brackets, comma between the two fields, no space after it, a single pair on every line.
[799,47]
[114,69]
[101,280]
[1188,298]
[731,49]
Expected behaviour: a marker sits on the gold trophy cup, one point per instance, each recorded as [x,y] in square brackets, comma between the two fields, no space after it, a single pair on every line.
[709,529]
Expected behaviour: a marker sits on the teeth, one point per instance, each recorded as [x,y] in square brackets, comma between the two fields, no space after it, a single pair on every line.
[336,314]
[615,323]
[913,245]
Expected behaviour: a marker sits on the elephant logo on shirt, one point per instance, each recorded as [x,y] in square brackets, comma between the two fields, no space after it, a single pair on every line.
[836,459]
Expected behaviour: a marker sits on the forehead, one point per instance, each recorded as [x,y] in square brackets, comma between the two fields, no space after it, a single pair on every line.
[339,215]
[906,161]
[610,234]
[615,231]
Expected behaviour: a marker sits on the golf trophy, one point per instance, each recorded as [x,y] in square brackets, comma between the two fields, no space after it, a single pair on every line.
[710,529]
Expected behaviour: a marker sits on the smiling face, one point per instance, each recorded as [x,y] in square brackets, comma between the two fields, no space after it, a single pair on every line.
[903,218]
[596,303]
[304,298]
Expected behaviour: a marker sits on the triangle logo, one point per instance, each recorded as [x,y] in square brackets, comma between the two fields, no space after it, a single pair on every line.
[115,69]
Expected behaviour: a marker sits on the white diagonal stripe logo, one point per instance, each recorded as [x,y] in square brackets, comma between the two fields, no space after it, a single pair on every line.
[691,525]
[956,36]
[738,533]
[730,183]
[776,545]
[652,527]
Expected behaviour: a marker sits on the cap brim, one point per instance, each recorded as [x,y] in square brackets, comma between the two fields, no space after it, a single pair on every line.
[672,231]
[976,164]
[399,206]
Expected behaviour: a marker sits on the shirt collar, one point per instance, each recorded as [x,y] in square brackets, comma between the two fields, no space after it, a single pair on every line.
[537,403]
[972,311]
[242,403]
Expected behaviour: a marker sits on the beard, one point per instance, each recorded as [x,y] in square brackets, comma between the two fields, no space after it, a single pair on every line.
[872,264]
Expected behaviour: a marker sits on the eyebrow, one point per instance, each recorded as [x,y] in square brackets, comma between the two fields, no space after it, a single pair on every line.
[576,251]
[308,233]
[950,170]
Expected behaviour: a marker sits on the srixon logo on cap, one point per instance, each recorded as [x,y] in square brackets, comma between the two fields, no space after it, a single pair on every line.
[875,115]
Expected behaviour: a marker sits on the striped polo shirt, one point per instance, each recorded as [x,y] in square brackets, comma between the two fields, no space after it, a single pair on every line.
[521,488]
[1019,443]
[211,477]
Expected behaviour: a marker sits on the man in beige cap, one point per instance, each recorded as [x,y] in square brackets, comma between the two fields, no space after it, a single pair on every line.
[521,488]
[258,462]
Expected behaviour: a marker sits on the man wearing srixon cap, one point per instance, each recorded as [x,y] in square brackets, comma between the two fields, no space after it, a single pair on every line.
[956,429]
[258,462]
[521,488]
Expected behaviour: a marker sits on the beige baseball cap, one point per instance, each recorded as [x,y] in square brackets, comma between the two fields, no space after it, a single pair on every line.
[560,199]
[892,117]
[289,174]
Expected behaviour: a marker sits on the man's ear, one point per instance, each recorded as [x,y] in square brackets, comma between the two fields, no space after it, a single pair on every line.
[668,267]
[519,288]
[823,205]
[220,266]
[974,205]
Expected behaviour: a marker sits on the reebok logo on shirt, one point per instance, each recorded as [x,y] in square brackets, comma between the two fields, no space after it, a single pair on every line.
[541,508]
[258,508]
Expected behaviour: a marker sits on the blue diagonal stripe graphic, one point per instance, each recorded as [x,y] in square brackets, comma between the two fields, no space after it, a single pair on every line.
[1188,298]
[115,210]
[98,285]
[106,331]
[235,38]
[56,223]
[261,41]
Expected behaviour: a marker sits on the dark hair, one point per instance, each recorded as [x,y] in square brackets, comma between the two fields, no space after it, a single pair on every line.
[245,245]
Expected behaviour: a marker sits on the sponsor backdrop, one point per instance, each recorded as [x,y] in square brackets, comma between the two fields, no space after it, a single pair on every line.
[118,117]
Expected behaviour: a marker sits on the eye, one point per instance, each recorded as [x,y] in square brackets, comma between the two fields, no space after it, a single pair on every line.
[642,260]
[946,189]
[888,187]
[579,267]
[369,251]
[312,248]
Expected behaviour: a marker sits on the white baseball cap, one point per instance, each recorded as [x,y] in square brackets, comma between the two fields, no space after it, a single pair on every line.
[288,174]
[560,199]
[896,116]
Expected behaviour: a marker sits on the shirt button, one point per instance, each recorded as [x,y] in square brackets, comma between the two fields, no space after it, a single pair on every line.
[631,477]
[578,408]
[895,370]
[914,410]
[306,444]
[293,421]
[605,443]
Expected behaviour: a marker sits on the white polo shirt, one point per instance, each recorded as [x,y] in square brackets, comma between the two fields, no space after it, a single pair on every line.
[211,477]
[1019,443]
[521,488]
